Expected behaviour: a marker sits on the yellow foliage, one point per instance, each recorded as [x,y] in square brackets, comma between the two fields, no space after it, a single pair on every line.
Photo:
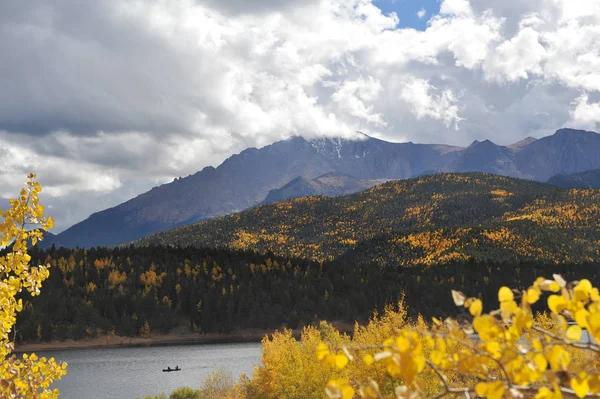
[116,278]
[289,370]
[30,376]
[502,193]
[504,353]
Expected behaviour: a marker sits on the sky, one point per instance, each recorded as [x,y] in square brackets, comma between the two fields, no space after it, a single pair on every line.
[106,99]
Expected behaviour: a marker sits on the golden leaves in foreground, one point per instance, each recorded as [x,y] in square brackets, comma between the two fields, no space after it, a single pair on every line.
[504,353]
[28,377]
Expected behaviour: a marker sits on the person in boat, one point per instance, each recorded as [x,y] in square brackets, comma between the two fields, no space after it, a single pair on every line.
[176,368]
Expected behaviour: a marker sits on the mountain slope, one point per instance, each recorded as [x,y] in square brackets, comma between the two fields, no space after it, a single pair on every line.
[488,157]
[587,179]
[329,185]
[566,151]
[436,218]
[244,180]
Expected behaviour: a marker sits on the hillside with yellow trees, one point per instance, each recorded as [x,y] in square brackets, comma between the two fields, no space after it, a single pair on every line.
[433,219]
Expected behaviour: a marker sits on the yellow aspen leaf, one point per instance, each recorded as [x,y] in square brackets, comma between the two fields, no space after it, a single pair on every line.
[594,383]
[540,361]
[334,389]
[559,359]
[368,359]
[495,390]
[556,303]
[593,322]
[581,317]
[476,308]
[550,285]
[481,389]
[508,306]
[347,392]
[322,351]
[429,340]
[582,290]
[574,333]
[544,393]
[491,390]
[341,361]
[505,294]
[532,295]
[580,386]
[437,357]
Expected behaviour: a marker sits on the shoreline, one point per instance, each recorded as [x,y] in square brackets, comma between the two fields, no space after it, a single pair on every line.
[115,341]
[176,337]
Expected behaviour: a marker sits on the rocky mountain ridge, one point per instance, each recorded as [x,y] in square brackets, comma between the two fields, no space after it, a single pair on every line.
[245,179]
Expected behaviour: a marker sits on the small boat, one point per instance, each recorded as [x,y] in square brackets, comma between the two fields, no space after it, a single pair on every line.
[169,369]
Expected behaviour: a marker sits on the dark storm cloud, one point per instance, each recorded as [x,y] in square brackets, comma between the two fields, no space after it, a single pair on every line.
[85,67]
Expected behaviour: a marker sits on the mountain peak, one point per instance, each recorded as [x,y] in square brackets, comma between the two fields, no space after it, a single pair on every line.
[573,132]
[519,145]
[482,144]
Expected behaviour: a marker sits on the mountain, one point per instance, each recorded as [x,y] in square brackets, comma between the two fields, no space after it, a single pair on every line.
[331,184]
[488,157]
[586,179]
[432,219]
[246,179]
[567,151]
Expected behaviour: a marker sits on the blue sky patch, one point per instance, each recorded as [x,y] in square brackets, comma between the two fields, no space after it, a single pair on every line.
[407,11]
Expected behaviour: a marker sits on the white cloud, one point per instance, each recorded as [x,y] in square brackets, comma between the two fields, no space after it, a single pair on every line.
[428,102]
[585,114]
[516,58]
[351,97]
[421,13]
[459,8]
[111,96]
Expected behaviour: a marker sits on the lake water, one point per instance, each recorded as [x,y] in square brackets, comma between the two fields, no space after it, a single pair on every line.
[126,373]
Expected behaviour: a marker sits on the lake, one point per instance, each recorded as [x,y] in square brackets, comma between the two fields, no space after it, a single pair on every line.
[126,373]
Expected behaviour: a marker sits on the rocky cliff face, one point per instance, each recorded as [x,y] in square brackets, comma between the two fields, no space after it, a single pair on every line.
[245,179]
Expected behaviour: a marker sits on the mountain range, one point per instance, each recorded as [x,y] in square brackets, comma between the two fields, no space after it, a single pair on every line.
[432,219]
[322,166]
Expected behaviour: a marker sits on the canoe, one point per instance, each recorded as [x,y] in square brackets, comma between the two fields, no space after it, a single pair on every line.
[170,369]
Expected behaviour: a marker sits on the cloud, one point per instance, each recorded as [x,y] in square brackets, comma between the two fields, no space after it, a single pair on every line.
[105,99]
[427,102]
[351,97]
[421,13]
[585,114]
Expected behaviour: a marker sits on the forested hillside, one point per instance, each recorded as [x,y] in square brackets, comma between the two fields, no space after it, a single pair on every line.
[433,219]
[587,179]
[137,291]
